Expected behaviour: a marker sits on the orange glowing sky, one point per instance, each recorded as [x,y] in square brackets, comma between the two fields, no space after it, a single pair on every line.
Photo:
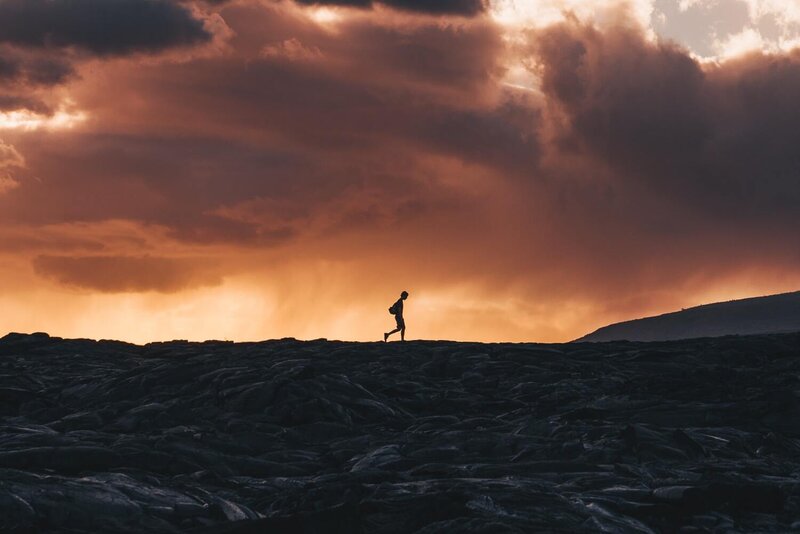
[529,170]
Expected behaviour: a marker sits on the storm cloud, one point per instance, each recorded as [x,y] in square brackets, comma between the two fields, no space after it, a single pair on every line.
[715,139]
[102,27]
[532,183]
[449,7]
[26,71]
[116,274]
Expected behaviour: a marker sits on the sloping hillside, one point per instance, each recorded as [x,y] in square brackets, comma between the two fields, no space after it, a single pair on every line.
[759,315]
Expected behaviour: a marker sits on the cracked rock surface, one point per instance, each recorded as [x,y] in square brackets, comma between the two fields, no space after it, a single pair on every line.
[434,437]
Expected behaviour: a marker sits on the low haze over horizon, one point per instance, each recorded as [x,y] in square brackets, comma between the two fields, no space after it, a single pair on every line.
[529,170]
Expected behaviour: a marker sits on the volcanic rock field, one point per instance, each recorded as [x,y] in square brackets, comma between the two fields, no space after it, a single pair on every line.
[426,436]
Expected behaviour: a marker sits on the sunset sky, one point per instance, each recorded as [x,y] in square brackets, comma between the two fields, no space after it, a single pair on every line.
[529,170]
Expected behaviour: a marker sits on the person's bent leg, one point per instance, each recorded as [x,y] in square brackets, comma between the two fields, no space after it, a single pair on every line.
[387,334]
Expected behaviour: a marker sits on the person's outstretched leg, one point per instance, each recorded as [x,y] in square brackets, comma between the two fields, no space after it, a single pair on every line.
[403,334]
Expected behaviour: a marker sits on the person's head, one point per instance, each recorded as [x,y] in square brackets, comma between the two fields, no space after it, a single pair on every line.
[404,295]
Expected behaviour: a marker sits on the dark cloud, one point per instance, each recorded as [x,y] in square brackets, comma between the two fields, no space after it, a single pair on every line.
[9,68]
[169,181]
[347,3]
[393,148]
[25,242]
[714,141]
[117,274]
[48,72]
[297,131]
[434,7]
[10,102]
[26,79]
[506,137]
[460,7]
[33,71]
[455,57]
[102,27]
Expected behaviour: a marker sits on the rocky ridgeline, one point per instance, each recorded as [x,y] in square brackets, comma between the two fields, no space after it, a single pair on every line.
[290,436]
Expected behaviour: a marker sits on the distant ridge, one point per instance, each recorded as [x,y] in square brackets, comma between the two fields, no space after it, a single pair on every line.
[758,315]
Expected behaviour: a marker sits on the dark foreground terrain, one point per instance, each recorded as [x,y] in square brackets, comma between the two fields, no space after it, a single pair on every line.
[288,436]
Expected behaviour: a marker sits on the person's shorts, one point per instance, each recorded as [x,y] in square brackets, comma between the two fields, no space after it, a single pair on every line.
[400,322]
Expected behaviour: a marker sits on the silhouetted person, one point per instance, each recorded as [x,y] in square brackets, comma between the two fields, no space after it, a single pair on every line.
[397,311]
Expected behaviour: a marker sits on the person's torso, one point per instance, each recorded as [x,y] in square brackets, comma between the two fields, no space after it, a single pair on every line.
[399,307]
